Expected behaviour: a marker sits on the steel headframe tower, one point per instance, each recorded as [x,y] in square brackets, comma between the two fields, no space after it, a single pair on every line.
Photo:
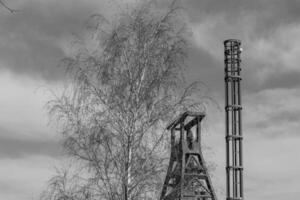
[233,108]
[187,177]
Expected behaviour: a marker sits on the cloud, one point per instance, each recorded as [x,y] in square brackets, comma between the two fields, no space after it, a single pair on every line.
[267,11]
[17,148]
[286,79]
[33,41]
[272,112]
[28,147]
[23,120]
[271,168]
[268,30]
[25,178]
[271,145]
[22,104]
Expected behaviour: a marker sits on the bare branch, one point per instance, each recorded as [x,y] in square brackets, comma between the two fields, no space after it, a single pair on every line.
[121,94]
[8,8]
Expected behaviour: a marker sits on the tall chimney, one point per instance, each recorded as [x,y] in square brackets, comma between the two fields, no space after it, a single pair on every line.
[233,110]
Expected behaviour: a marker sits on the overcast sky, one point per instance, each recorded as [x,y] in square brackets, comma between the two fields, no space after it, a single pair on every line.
[34,40]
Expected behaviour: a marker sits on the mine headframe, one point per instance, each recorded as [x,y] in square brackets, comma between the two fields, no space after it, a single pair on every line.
[187,177]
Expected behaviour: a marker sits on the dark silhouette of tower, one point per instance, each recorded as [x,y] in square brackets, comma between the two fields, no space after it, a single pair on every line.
[233,110]
[187,177]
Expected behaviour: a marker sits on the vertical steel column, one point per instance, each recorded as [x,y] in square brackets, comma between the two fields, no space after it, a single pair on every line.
[233,117]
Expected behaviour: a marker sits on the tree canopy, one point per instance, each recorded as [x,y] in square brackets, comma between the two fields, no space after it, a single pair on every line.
[125,81]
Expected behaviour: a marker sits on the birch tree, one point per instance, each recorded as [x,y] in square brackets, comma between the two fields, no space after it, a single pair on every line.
[124,85]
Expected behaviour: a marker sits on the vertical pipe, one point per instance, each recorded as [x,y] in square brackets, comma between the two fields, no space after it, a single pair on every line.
[227,125]
[233,121]
[236,112]
[240,133]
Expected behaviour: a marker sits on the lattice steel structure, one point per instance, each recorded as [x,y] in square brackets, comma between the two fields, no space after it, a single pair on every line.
[233,109]
[187,177]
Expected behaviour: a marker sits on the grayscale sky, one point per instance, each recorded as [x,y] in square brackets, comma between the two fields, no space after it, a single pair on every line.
[33,41]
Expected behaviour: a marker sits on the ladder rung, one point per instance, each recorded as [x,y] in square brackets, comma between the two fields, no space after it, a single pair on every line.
[235,70]
[233,107]
[239,137]
[232,77]
[232,60]
[235,167]
[234,198]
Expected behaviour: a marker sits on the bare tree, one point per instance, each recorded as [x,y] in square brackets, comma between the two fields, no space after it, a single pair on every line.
[125,84]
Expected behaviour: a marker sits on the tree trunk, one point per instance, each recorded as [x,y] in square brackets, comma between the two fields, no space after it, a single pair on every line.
[127,180]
